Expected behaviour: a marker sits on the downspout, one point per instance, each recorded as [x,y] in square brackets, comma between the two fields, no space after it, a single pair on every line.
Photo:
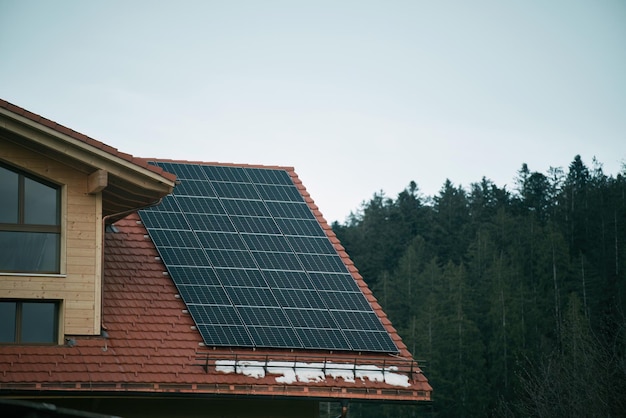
[105,219]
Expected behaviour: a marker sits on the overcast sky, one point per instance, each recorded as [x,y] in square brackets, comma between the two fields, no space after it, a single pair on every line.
[358,96]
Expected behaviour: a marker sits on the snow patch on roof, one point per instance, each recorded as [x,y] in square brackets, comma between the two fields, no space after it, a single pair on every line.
[291,372]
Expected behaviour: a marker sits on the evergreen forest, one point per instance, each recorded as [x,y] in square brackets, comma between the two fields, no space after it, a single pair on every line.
[513,301]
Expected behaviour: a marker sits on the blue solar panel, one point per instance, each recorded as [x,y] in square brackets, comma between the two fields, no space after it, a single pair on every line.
[254,266]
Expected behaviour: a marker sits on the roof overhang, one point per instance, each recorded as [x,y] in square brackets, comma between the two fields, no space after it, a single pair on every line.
[127,183]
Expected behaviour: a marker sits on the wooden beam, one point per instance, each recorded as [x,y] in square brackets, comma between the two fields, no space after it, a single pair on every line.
[97,181]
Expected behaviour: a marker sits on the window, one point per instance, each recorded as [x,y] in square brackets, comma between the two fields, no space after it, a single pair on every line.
[30,223]
[29,322]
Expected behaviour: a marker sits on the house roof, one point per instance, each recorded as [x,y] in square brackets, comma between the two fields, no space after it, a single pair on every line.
[150,345]
[127,182]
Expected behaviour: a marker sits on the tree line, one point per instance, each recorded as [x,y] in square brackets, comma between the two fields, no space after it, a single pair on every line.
[513,300]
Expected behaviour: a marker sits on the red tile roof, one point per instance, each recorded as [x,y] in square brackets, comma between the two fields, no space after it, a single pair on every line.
[141,162]
[151,344]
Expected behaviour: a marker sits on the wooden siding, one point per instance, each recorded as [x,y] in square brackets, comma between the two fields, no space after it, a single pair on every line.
[78,286]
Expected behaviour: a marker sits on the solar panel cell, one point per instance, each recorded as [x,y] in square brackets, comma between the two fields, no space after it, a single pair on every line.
[221,240]
[185,171]
[224,173]
[288,279]
[264,316]
[279,193]
[263,176]
[292,210]
[333,281]
[225,335]
[355,320]
[203,294]
[163,220]
[260,242]
[236,190]
[323,263]
[190,204]
[168,204]
[231,258]
[370,341]
[299,298]
[275,337]
[311,318]
[245,207]
[175,238]
[251,296]
[346,301]
[214,314]
[216,223]
[277,261]
[241,277]
[255,225]
[308,245]
[184,256]
[194,275]
[194,188]
[300,227]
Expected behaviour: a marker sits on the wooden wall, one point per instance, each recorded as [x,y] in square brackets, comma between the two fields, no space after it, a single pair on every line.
[78,287]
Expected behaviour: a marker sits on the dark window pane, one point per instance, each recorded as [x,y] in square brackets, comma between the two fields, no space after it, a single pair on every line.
[29,252]
[40,203]
[8,191]
[38,322]
[7,322]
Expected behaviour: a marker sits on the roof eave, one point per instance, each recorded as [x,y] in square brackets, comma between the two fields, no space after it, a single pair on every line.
[132,182]
[321,394]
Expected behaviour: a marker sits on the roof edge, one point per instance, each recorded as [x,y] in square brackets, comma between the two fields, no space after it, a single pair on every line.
[84,142]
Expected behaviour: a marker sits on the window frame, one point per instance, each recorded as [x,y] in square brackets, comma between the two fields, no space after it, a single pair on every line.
[21,226]
[19,316]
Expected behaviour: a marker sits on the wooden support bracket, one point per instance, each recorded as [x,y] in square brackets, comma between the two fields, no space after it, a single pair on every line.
[97,181]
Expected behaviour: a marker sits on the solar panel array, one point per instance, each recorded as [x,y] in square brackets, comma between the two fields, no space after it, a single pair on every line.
[253,265]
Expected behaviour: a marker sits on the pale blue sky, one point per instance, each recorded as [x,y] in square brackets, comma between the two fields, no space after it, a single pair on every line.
[358,96]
